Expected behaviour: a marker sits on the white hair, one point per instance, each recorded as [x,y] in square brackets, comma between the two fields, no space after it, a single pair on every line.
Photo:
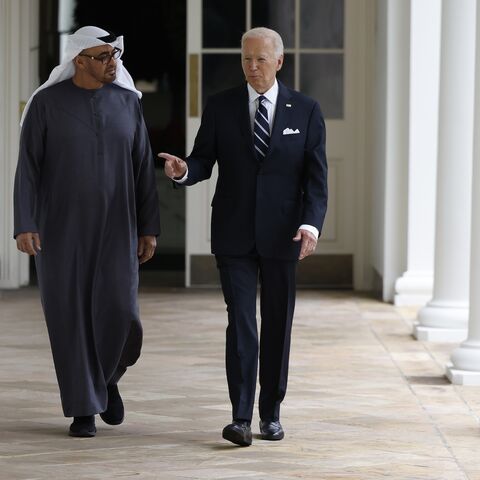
[263,32]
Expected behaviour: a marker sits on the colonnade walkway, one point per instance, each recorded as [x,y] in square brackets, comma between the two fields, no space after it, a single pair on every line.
[365,400]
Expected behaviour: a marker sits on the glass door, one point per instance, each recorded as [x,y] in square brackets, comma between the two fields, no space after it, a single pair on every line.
[324,59]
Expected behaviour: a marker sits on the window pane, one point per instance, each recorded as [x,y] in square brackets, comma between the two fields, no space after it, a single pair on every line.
[321,77]
[321,23]
[219,72]
[279,15]
[223,23]
[287,73]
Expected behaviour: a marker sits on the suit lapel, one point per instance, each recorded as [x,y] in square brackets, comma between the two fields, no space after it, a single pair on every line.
[282,115]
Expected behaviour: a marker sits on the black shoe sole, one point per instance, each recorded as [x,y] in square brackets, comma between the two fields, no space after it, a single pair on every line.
[111,422]
[272,437]
[85,434]
[236,438]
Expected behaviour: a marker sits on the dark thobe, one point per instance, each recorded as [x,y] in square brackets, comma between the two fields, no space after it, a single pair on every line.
[85,182]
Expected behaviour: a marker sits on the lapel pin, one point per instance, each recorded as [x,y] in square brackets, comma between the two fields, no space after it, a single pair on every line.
[288,104]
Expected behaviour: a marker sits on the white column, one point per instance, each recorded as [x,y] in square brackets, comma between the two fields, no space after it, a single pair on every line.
[445,317]
[465,366]
[9,130]
[415,286]
[18,76]
[389,180]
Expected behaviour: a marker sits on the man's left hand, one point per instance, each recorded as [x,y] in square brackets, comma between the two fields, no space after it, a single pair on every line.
[309,242]
[146,248]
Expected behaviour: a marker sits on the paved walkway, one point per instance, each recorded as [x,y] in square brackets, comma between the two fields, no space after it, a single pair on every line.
[365,400]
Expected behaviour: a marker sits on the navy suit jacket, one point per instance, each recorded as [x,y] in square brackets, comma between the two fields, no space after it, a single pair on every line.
[261,204]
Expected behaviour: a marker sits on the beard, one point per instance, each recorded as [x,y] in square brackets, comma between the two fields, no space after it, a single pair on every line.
[110,76]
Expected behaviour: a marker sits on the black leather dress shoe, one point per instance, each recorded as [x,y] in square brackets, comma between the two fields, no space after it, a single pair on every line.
[114,414]
[83,427]
[271,430]
[239,433]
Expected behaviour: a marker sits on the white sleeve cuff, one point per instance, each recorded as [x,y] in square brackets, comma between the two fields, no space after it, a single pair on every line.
[311,229]
[183,179]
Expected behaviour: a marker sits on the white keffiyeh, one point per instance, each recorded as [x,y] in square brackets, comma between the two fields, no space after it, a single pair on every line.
[83,38]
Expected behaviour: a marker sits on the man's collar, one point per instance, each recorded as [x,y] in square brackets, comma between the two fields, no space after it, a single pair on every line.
[270,95]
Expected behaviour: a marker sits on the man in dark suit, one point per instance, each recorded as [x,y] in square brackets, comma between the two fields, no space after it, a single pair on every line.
[268,210]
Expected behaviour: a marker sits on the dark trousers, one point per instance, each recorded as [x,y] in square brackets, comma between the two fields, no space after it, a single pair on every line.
[239,276]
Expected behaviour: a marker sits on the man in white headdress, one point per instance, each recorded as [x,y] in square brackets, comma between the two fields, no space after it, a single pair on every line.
[86,207]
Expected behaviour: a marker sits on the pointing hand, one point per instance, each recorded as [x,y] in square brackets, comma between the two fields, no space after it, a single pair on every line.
[174,167]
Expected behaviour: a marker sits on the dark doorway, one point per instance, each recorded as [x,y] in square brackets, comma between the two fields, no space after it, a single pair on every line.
[155,48]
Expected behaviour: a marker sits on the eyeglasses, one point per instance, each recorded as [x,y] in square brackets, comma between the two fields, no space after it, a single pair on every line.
[104,58]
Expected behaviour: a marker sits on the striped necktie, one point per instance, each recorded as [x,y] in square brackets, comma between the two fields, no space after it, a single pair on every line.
[261,130]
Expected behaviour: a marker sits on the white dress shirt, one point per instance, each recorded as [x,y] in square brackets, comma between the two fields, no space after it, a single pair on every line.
[271,95]
[271,103]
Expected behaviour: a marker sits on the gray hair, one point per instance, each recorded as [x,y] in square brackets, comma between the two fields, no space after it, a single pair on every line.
[263,32]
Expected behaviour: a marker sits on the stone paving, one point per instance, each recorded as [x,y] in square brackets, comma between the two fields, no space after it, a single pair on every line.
[365,400]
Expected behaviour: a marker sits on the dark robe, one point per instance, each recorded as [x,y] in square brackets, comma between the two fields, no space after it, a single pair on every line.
[85,182]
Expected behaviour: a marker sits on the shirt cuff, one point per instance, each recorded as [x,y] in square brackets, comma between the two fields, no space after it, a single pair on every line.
[183,179]
[311,229]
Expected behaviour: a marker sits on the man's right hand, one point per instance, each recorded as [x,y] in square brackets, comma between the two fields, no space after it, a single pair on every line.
[28,242]
[174,167]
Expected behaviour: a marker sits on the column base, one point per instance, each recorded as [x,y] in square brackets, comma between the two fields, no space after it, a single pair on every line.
[444,315]
[435,334]
[413,289]
[9,284]
[461,377]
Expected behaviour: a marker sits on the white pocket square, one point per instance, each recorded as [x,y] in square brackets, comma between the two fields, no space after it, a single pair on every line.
[289,131]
